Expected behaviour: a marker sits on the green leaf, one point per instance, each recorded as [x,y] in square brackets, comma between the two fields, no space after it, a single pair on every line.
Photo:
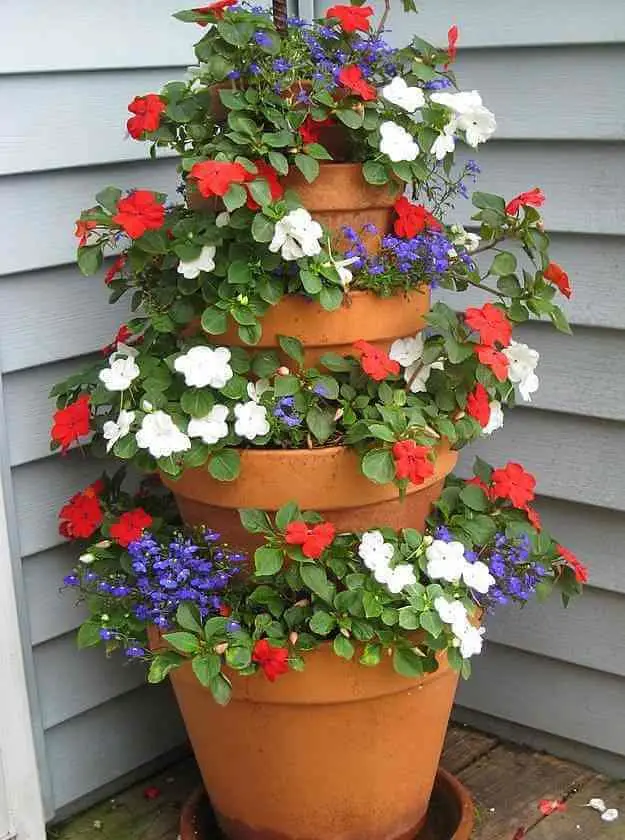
[265,363]
[162,664]
[320,422]
[482,470]
[215,626]
[293,347]
[317,151]
[288,513]
[89,259]
[255,521]
[343,647]
[473,497]
[371,605]
[260,192]
[350,118]
[316,579]
[371,655]
[268,561]
[214,321]
[239,273]
[331,297]
[510,286]
[126,447]
[408,618]
[559,320]
[407,663]
[504,263]
[278,139]
[235,34]
[382,432]
[262,228]
[308,166]
[238,657]
[456,351]
[322,623]
[279,162]
[335,363]
[375,172]
[206,668]
[311,282]
[183,642]
[250,333]
[108,198]
[235,197]
[431,623]
[88,634]
[188,617]
[488,201]
[197,402]
[286,386]
[378,466]
[221,689]
[225,465]
[233,100]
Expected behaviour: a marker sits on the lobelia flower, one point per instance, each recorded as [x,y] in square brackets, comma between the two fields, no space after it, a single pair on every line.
[138,212]
[396,143]
[446,560]
[478,577]
[212,427]
[204,262]
[531,198]
[412,461]
[351,18]
[272,660]
[120,374]
[114,430]
[251,420]
[215,177]
[522,363]
[160,435]
[374,551]
[351,77]
[71,423]
[495,418]
[297,235]
[404,96]
[202,366]
[554,273]
[147,110]
[313,541]
[130,526]
[514,483]
[375,363]
[471,116]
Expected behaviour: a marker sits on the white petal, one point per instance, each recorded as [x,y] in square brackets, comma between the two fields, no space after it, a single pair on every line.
[610,815]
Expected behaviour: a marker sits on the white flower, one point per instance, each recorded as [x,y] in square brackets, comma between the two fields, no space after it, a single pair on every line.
[120,373]
[222,219]
[397,143]
[212,427]
[418,375]
[113,431]
[495,419]
[251,420]
[146,405]
[407,350]
[469,241]
[203,366]
[610,815]
[471,116]
[400,94]
[477,576]
[596,804]
[123,351]
[343,271]
[160,435]
[255,390]
[453,613]
[471,641]
[522,362]
[297,235]
[445,143]
[374,551]
[205,262]
[87,559]
[399,577]
[446,560]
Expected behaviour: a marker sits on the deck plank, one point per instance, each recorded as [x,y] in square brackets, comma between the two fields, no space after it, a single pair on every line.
[463,746]
[581,823]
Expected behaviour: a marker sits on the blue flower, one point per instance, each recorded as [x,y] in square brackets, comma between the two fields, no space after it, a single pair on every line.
[281,65]
[285,412]
[437,84]
[262,39]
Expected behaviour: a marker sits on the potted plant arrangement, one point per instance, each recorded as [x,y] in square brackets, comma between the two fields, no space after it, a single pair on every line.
[322,580]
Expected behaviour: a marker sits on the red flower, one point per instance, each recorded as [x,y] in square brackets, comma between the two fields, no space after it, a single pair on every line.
[493,359]
[413,219]
[269,174]
[351,18]
[273,660]
[532,198]
[351,78]
[138,212]
[117,266]
[533,517]
[214,177]
[122,334]
[72,422]
[313,541]
[513,483]
[148,110]
[550,806]
[490,323]
[452,44]
[580,571]
[555,274]
[310,129]
[225,611]
[374,362]
[412,461]
[82,231]
[477,482]
[130,526]
[152,792]
[214,9]
[81,516]
[478,405]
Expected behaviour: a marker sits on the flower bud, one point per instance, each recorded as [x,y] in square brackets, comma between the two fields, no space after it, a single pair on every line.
[86,558]
[104,617]
[428,540]
[338,414]
[540,226]
[221,648]
[103,544]
[293,637]
[283,371]
[303,603]
[345,632]
[146,405]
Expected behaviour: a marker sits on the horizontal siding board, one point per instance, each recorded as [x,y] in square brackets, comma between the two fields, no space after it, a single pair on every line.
[71,682]
[486,24]
[93,749]
[84,114]
[27,341]
[57,198]
[566,700]
[52,609]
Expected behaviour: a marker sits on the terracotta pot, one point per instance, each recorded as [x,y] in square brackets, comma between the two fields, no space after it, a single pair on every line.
[363,315]
[341,197]
[327,480]
[338,751]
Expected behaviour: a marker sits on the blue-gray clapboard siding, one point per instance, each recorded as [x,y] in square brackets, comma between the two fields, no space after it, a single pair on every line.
[553,76]
[556,678]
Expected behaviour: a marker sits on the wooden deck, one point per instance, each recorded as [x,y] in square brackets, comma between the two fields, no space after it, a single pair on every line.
[507,784]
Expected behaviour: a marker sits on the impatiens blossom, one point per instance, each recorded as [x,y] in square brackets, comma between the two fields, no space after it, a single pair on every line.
[397,143]
[297,235]
[112,431]
[212,427]
[412,461]
[343,271]
[555,274]
[255,390]
[445,560]
[351,77]
[494,359]
[512,482]
[205,261]
[310,130]
[351,18]
[251,420]
[272,660]
[117,266]
[160,435]
[452,44]
[408,350]
[81,516]
[531,198]
[404,96]
[522,363]
[469,241]
[445,143]
[215,9]
[130,526]
[478,405]
[202,366]
[120,374]
[215,177]
[147,110]
[71,423]
[470,115]
[478,577]
[413,219]
[84,232]
[471,641]
[396,578]
[138,212]
[313,539]
[580,571]
[375,362]
[491,324]
[374,551]
[453,613]
[495,418]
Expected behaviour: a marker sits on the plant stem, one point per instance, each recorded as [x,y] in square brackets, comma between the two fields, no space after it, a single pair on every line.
[279,15]
[387,10]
